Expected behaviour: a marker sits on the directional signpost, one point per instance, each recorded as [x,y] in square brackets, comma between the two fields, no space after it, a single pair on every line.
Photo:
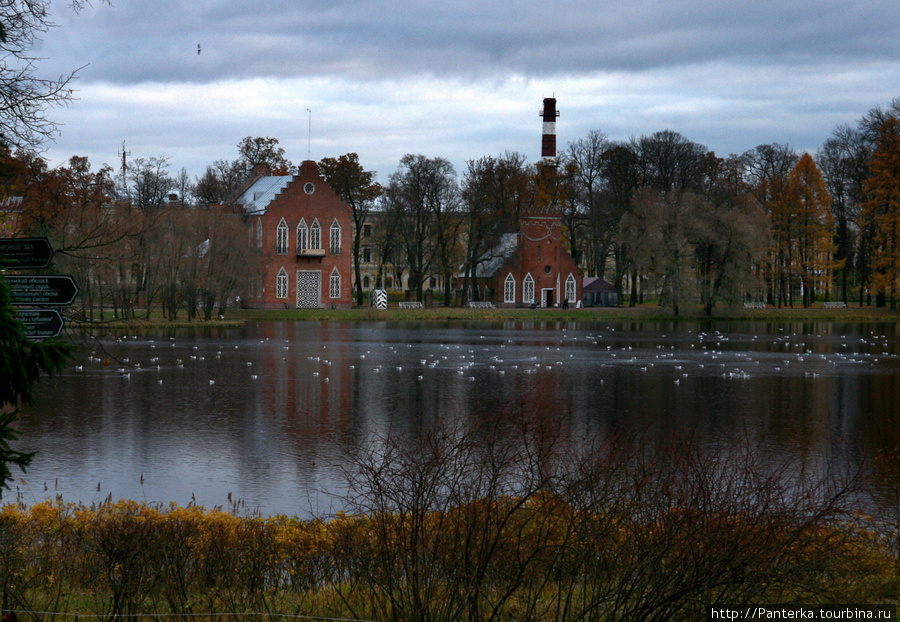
[38,291]
[41,323]
[45,291]
[22,253]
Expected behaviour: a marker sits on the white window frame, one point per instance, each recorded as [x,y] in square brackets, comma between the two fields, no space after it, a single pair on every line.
[334,284]
[302,236]
[570,288]
[281,284]
[281,238]
[528,289]
[335,238]
[315,236]
[509,289]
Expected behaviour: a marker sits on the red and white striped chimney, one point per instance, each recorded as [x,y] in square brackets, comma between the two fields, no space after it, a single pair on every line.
[548,140]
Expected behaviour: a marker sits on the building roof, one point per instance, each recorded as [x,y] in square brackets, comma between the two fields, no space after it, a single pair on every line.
[496,256]
[598,285]
[261,192]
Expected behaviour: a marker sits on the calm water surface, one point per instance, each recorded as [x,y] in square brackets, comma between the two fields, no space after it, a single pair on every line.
[263,413]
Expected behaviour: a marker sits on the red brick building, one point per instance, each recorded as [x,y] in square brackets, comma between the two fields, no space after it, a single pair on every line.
[533,265]
[302,231]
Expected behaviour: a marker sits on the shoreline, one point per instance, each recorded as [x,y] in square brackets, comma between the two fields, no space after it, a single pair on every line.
[644,313]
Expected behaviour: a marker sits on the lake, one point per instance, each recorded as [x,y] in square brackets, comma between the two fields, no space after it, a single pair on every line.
[261,415]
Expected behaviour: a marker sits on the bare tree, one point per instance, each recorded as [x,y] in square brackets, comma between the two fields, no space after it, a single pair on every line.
[416,200]
[218,183]
[150,181]
[358,188]
[493,191]
[25,96]
[844,160]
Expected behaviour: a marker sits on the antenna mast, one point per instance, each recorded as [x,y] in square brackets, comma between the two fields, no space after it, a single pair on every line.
[309,136]
[124,154]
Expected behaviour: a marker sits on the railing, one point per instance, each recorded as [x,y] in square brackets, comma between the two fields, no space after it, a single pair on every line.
[754,305]
[411,305]
[834,304]
[481,305]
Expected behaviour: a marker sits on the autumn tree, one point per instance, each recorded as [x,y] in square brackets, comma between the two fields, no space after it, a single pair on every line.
[92,232]
[881,211]
[844,161]
[659,223]
[593,227]
[358,188]
[602,187]
[814,232]
[729,235]
[266,151]
[225,257]
[766,168]
[803,230]
[668,172]
[667,161]
[493,191]
[620,175]
[419,200]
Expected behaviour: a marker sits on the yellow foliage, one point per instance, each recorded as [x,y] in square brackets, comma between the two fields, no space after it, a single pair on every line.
[129,557]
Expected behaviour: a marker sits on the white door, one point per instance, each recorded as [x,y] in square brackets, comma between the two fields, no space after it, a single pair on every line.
[547,297]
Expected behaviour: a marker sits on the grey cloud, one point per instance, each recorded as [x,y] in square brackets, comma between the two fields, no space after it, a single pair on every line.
[134,41]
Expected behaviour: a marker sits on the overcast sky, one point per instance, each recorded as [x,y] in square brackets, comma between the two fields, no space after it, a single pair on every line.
[461,79]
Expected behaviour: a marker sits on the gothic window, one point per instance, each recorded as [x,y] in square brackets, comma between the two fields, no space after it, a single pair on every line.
[509,289]
[302,236]
[281,238]
[259,233]
[315,235]
[570,288]
[335,284]
[281,283]
[528,289]
[335,238]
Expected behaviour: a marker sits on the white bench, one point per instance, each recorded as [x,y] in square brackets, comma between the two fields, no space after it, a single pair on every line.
[835,304]
[411,305]
[754,305]
[481,305]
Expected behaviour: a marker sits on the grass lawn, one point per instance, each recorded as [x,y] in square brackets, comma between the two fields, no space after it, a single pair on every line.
[442,314]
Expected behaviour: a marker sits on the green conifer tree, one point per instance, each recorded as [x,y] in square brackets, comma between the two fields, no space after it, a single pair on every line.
[21,364]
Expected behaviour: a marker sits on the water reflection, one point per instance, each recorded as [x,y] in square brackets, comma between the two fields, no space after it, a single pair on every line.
[263,413]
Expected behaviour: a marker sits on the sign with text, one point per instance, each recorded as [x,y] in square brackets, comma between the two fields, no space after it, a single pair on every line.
[56,290]
[25,253]
[41,323]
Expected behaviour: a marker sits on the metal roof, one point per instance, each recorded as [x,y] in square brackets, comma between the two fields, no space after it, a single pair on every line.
[261,192]
[494,258]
